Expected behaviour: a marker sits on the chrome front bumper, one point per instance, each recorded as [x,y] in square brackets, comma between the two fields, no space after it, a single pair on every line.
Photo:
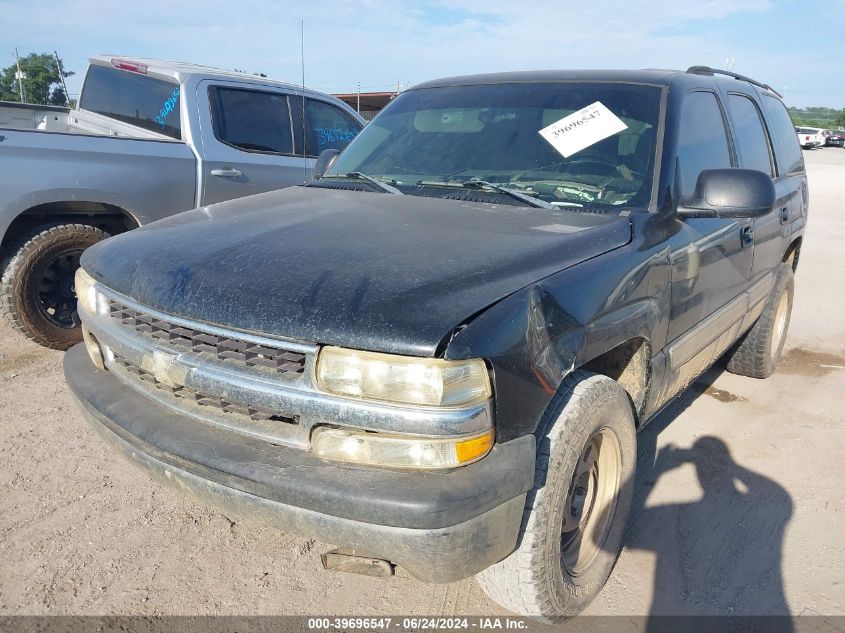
[441,526]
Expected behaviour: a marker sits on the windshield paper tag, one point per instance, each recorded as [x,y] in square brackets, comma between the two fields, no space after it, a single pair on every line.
[583,128]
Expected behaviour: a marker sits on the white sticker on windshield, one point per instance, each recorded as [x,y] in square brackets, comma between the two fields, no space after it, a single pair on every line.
[583,128]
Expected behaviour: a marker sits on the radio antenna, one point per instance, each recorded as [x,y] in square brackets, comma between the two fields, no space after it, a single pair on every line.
[302,115]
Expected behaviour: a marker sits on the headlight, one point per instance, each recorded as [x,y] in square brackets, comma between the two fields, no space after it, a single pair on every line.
[405,379]
[399,451]
[86,293]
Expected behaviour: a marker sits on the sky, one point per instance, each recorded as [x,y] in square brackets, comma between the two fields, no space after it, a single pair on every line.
[797,46]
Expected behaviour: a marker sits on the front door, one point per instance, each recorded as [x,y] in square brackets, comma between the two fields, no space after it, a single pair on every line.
[711,258]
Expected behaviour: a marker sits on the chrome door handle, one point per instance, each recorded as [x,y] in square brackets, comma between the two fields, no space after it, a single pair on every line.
[227,173]
[746,236]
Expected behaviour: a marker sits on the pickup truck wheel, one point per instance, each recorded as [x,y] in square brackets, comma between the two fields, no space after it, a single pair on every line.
[36,290]
[575,516]
[758,352]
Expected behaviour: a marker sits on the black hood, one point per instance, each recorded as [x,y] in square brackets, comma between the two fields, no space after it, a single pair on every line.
[364,270]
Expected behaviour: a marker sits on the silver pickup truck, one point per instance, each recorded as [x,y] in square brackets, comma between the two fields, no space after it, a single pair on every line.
[149,139]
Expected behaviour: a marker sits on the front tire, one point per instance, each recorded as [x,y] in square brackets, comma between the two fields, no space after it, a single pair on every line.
[758,352]
[575,516]
[36,289]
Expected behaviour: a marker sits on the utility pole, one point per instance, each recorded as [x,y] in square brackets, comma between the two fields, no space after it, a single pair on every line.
[62,77]
[20,77]
[358,99]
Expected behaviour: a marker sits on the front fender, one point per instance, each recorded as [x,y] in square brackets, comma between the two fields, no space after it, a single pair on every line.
[536,336]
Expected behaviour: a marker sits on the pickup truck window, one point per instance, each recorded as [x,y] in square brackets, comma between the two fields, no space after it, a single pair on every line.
[751,137]
[252,120]
[430,141]
[325,126]
[147,102]
[789,157]
[703,142]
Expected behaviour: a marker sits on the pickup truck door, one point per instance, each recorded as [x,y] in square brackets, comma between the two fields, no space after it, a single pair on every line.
[246,140]
[710,257]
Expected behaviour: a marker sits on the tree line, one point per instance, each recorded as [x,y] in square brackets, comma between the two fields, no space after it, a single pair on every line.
[41,80]
[829,118]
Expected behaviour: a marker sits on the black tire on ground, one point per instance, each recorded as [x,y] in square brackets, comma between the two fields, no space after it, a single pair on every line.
[36,289]
[541,578]
[757,353]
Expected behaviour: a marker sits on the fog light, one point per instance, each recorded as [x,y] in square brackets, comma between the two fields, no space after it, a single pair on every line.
[95,352]
[400,451]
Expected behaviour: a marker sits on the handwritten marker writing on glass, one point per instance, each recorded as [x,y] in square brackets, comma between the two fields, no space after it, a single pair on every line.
[583,128]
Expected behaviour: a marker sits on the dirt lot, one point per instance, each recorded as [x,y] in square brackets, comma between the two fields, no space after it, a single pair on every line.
[745,516]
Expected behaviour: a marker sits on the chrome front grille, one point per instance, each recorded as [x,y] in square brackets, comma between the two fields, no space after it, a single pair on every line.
[249,383]
[232,350]
[253,413]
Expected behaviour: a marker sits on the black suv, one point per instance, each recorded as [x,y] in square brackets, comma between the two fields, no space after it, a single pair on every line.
[439,354]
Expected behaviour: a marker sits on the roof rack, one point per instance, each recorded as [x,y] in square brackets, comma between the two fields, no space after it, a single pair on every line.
[706,70]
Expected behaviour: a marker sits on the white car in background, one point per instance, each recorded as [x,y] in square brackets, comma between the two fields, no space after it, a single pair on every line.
[810,137]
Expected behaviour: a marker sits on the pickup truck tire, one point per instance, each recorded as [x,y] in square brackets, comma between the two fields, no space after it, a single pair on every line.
[758,352]
[586,461]
[36,289]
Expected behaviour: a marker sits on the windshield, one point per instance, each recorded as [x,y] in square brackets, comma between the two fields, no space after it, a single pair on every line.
[441,138]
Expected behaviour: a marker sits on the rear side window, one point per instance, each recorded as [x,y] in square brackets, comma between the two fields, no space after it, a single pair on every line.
[702,142]
[147,102]
[751,138]
[787,149]
[252,120]
[326,126]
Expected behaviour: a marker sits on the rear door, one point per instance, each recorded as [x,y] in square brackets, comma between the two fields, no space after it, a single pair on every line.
[247,137]
[790,174]
[754,151]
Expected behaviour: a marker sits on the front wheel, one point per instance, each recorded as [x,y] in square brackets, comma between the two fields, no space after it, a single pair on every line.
[576,513]
[36,289]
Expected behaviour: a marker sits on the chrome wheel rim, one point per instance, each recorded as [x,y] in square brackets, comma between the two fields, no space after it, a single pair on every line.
[780,325]
[591,502]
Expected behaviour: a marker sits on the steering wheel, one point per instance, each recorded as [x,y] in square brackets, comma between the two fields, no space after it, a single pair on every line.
[605,164]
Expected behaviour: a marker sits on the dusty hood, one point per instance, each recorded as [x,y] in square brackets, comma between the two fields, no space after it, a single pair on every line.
[365,270]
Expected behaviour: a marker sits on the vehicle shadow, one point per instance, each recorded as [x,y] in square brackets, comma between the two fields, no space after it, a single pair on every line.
[719,555]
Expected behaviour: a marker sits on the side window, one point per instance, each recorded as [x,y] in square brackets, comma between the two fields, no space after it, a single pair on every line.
[702,142]
[252,120]
[789,157]
[751,139]
[326,127]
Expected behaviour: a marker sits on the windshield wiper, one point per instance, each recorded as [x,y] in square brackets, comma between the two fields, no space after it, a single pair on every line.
[378,183]
[513,193]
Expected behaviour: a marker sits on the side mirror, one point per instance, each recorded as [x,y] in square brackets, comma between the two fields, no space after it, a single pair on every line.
[324,161]
[730,193]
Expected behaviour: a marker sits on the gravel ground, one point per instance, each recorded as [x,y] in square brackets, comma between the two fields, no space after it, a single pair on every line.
[745,515]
